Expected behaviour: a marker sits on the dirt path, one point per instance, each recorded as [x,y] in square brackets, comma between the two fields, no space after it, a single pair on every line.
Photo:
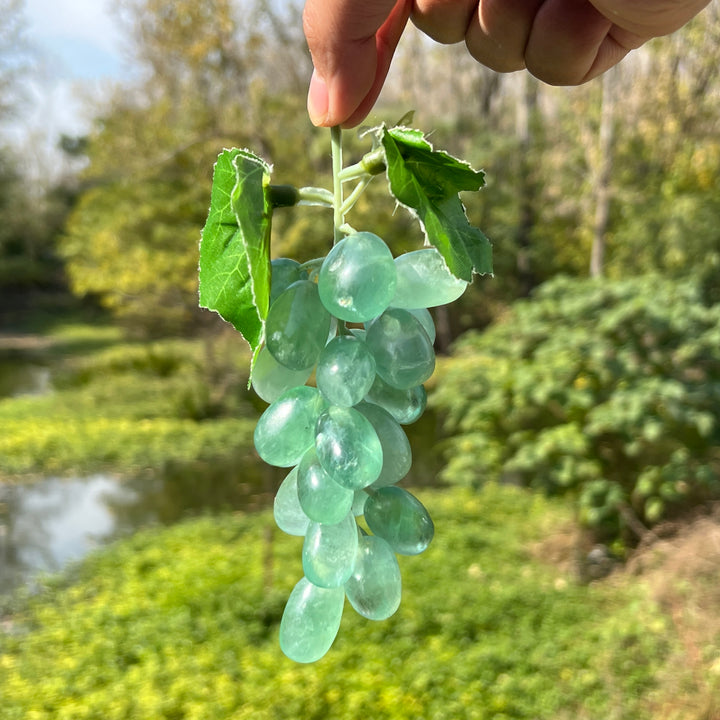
[24,342]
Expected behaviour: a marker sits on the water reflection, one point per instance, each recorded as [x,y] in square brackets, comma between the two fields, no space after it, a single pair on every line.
[54,521]
[47,524]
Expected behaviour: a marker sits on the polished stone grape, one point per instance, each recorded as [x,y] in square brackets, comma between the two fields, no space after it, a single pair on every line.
[329,552]
[406,406]
[399,518]
[397,455]
[423,280]
[319,496]
[286,430]
[270,379]
[375,587]
[358,506]
[345,371]
[425,318]
[357,278]
[310,621]
[404,355]
[297,326]
[284,272]
[348,447]
[288,513]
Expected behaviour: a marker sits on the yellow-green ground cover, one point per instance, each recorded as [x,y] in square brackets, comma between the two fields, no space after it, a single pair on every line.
[183,622]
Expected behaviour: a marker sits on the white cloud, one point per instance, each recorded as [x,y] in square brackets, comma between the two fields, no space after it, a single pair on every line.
[79,38]
[87,19]
[79,48]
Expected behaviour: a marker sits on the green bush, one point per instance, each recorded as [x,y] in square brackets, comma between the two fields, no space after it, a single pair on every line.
[608,390]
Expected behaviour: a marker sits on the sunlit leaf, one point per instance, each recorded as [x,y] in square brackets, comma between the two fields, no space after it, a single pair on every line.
[235,246]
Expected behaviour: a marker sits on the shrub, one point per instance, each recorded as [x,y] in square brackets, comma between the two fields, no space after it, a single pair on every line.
[607,390]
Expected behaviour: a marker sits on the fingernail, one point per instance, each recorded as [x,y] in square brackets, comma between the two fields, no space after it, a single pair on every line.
[318,101]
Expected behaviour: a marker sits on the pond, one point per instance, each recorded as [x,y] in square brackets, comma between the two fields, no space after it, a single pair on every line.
[53,521]
[46,524]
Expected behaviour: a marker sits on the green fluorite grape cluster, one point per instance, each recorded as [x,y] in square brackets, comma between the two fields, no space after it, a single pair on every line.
[358,323]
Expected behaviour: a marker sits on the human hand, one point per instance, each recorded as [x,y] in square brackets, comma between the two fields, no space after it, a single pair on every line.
[562,42]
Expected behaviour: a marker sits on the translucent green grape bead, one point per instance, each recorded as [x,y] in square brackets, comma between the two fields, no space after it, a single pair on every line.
[397,455]
[406,406]
[289,515]
[345,371]
[348,448]
[358,506]
[310,621]
[375,586]
[357,278]
[399,518]
[320,497]
[425,318]
[284,272]
[286,430]
[270,379]
[297,326]
[329,552]
[423,280]
[404,355]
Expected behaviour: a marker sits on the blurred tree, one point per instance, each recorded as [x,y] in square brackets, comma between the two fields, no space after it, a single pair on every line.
[627,164]
[30,214]
[206,80]
[669,181]
[14,55]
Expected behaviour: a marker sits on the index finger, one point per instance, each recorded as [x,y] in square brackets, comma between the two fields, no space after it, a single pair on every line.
[352,44]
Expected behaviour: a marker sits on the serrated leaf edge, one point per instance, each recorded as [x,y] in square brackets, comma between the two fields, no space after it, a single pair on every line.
[398,203]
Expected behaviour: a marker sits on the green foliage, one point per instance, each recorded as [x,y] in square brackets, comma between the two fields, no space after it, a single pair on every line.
[30,218]
[133,243]
[127,407]
[183,622]
[608,390]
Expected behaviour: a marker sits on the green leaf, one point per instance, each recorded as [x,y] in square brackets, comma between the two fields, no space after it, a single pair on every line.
[427,182]
[235,246]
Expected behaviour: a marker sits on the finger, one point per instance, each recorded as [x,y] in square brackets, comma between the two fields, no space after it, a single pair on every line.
[499,31]
[571,42]
[351,44]
[650,18]
[386,41]
[445,21]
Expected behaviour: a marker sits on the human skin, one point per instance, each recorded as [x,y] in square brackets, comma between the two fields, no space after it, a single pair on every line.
[561,42]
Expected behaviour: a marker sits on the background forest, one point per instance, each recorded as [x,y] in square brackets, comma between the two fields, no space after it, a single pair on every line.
[571,458]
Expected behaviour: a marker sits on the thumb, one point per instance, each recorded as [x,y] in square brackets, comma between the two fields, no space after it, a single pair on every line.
[352,44]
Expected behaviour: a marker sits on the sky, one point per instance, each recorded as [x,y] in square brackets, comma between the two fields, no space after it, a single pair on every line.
[79,37]
[80,53]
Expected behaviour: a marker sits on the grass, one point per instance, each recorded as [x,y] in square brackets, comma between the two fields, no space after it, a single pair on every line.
[182,623]
[127,406]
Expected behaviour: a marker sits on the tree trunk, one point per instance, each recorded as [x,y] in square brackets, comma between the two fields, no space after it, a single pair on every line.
[603,194]
[527,189]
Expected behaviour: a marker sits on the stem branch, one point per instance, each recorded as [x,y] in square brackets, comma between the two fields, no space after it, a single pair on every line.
[337,164]
[352,198]
[315,196]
